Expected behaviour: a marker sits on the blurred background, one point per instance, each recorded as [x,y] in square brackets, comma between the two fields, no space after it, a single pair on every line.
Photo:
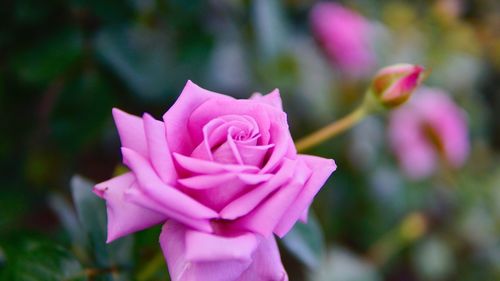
[65,64]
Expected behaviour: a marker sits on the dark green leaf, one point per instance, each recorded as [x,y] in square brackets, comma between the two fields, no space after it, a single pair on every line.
[69,221]
[42,261]
[306,242]
[92,215]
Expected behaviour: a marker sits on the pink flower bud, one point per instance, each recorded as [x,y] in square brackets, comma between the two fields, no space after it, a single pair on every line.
[393,85]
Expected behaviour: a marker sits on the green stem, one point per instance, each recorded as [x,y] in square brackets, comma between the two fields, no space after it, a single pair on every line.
[333,129]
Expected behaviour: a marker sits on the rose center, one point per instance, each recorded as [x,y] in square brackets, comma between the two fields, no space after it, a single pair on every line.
[231,139]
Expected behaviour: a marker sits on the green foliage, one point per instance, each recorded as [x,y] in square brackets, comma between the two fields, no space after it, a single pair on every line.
[306,242]
[51,58]
[143,66]
[116,256]
[81,111]
[43,261]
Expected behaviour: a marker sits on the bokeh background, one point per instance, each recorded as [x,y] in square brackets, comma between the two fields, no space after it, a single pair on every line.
[65,64]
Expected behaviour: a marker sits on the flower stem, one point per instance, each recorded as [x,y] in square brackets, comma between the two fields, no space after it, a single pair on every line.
[332,129]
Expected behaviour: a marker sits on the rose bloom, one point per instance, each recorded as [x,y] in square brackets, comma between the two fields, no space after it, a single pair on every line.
[429,129]
[222,175]
[344,36]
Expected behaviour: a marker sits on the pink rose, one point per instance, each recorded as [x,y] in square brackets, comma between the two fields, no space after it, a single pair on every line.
[344,36]
[431,126]
[223,175]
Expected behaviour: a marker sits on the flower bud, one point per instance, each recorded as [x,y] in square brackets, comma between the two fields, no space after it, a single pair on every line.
[393,85]
[345,37]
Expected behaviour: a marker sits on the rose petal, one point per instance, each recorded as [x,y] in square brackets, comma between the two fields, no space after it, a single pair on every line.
[217,190]
[159,154]
[214,108]
[283,144]
[208,167]
[273,98]
[223,139]
[193,255]
[136,196]
[212,135]
[176,118]
[215,180]
[321,169]
[247,202]
[254,178]
[124,217]
[218,197]
[173,244]
[202,247]
[216,130]
[253,154]
[267,215]
[207,181]
[266,263]
[131,131]
[227,153]
[262,113]
[166,195]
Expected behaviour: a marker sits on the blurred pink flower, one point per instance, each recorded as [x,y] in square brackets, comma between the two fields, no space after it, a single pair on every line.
[430,128]
[223,175]
[345,38]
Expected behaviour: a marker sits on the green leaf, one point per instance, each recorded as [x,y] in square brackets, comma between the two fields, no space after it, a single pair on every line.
[69,221]
[92,215]
[43,62]
[43,261]
[306,242]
